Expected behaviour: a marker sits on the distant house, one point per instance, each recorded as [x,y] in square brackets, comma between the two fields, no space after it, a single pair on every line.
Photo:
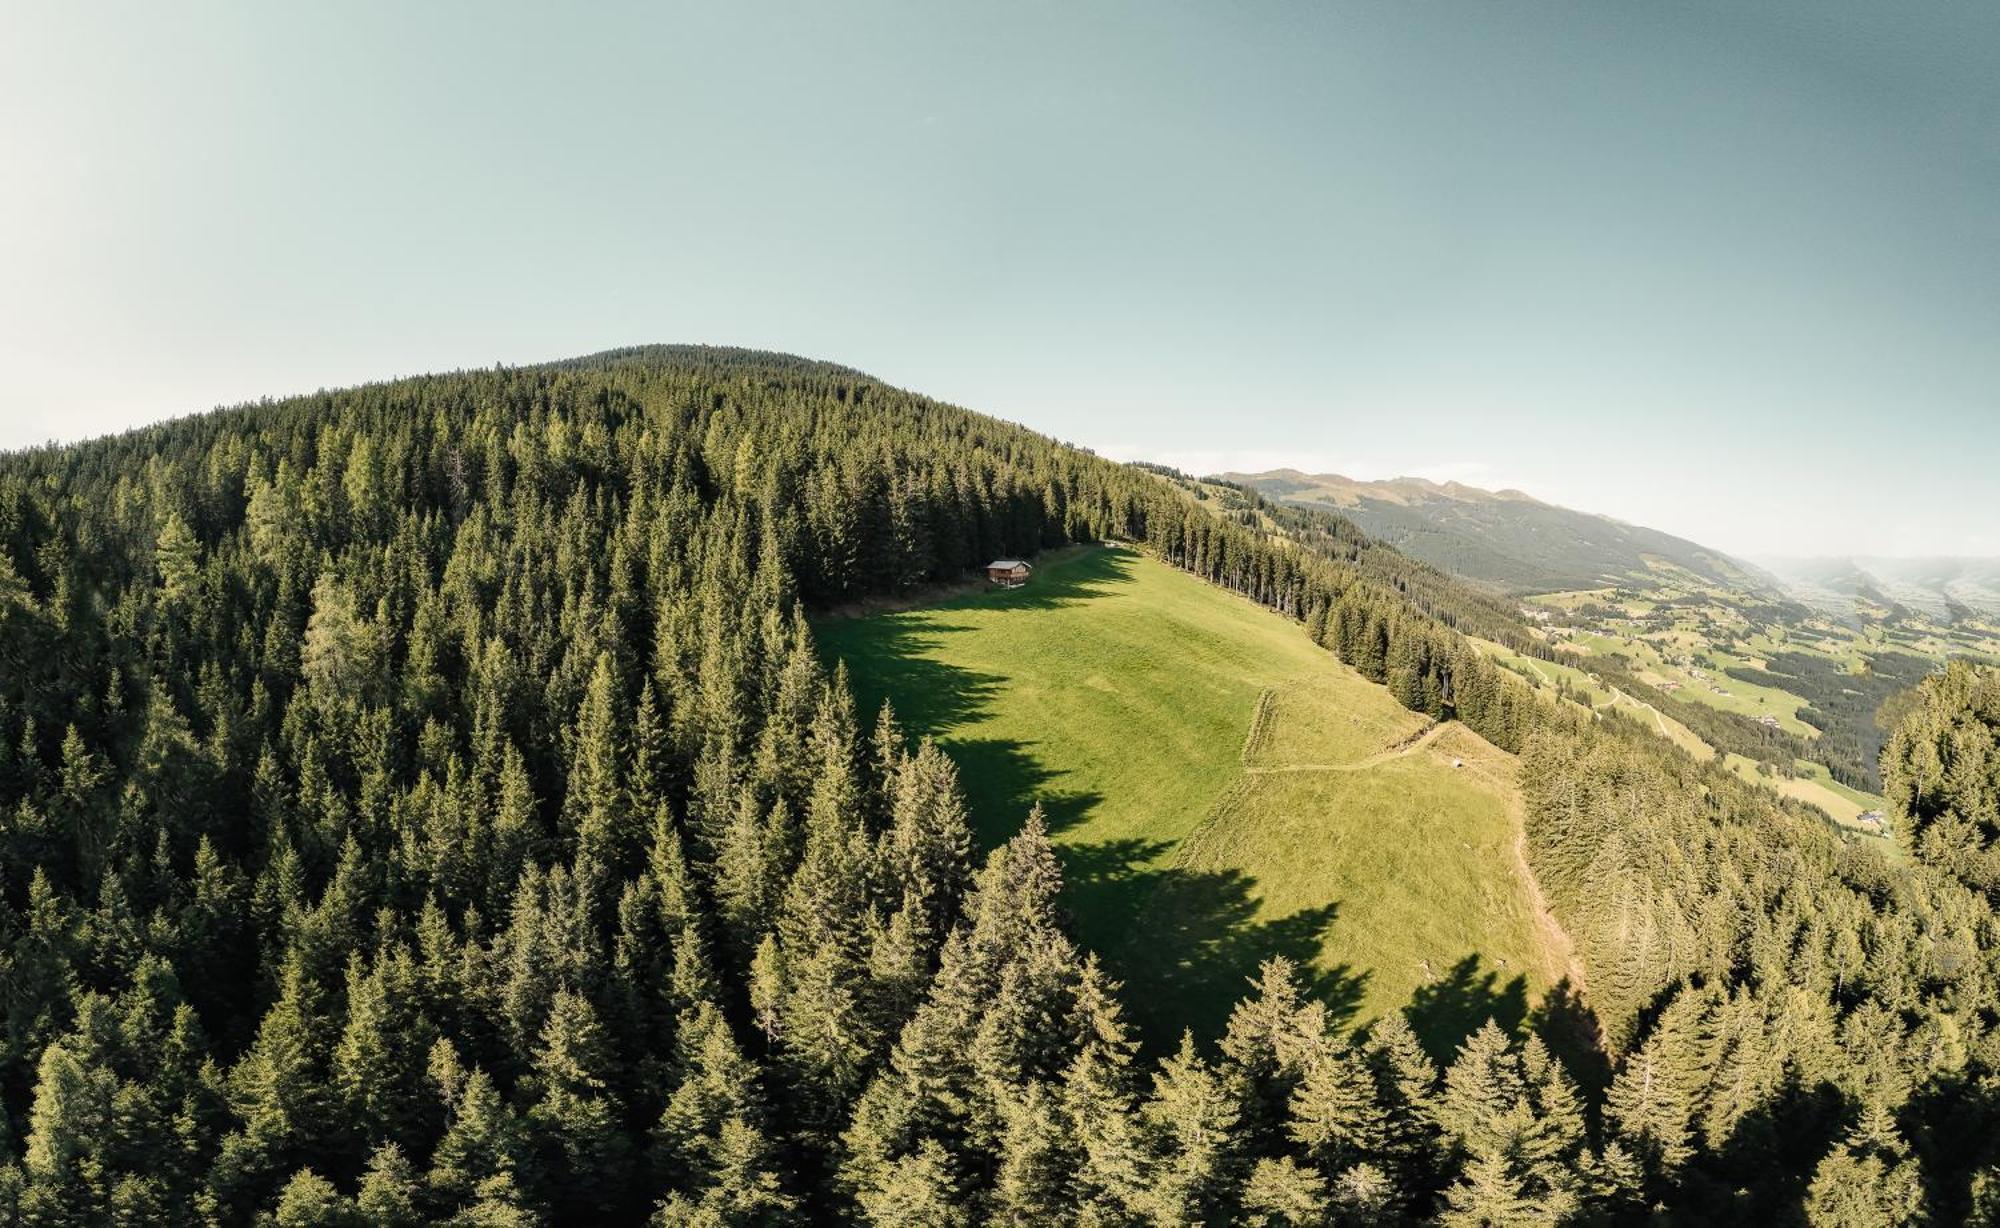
[1873,820]
[1768,721]
[1008,573]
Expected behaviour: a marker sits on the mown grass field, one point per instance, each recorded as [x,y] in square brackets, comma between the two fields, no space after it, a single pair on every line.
[1407,864]
[1122,694]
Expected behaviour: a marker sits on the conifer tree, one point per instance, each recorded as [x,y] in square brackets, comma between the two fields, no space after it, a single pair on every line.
[311,1201]
[1098,1100]
[920,1190]
[1334,1114]
[483,1143]
[1868,1178]
[389,1196]
[1284,1192]
[1191,1116]
[574,1119]
[596,810]
[1654,1099]
[1273,1039]
[178,557]
[1491,1195]
[340,654]
[278,1090]
[1405,1086]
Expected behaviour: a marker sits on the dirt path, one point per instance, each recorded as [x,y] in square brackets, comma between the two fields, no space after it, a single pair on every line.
[1616,696]
[1259,731]
[1657,718]
[1560,951]
[1424,737]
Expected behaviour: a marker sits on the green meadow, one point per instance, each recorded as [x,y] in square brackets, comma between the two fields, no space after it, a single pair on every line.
[1222,790]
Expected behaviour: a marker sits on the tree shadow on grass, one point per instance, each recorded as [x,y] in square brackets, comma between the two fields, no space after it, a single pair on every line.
[886,661]
[1003,781]
[888,657]
[1188,943]
[1570,1029]
[1446,1011]
[1083,577]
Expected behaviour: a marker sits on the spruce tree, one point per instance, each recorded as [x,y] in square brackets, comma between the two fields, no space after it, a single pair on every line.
[574,1118]
[1191,1117]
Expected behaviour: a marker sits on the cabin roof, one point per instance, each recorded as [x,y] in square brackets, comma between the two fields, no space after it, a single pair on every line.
[1005,565]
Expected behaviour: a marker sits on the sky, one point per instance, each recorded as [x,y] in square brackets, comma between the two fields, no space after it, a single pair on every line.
[1730,271]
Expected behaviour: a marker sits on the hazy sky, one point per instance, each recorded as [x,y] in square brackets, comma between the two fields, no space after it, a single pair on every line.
[1728,271]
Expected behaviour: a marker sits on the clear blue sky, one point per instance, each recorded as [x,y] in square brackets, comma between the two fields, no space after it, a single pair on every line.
[1728,270]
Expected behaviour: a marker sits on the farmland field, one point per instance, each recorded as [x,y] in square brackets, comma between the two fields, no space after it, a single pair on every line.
[1123,695]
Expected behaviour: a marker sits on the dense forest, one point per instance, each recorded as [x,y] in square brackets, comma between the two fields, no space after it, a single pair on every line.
[425,803]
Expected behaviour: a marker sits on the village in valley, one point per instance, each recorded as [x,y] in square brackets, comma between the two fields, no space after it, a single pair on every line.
[1779,664]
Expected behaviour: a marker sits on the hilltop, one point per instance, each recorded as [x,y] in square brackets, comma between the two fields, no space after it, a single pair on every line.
[431,794]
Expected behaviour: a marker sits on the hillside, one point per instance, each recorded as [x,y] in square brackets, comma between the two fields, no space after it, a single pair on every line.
[1505,539]
[1788,670]
[425,801]
[1222,790]
[430,801]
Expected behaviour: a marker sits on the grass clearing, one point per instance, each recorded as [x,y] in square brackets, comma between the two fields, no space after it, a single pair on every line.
[1403,865]
[1142,707]
[1115,690]
[1816,787]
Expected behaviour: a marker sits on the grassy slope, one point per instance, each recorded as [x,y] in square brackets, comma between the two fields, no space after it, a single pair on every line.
[1114,689]
[1120,692]
[1403,863]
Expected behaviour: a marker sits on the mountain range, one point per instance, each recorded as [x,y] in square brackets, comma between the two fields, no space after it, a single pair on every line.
[1504,539]
[1944,587]
[1513,542]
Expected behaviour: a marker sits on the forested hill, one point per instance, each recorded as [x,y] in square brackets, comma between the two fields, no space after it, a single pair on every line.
[1505,538]
[424,803]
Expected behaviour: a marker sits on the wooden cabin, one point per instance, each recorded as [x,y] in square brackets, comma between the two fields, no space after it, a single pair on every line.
[1008,573]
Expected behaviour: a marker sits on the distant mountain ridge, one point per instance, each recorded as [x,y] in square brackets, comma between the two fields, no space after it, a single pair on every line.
[1939,587]
[1505,538]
